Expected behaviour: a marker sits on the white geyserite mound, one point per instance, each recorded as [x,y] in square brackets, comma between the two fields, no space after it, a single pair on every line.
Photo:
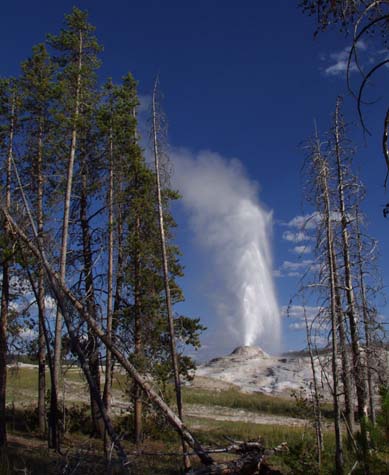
[253,370]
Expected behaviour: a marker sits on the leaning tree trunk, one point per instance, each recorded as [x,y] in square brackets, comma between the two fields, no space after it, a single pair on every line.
[5,294]
[63,294]
[169,309]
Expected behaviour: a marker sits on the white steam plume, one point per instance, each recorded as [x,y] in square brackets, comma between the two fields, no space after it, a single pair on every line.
[234,229]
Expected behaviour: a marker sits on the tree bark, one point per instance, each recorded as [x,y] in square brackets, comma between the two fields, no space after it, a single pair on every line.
[5,294]
[41,292]
[169,309]
[138,338]
[323,173]
[358,360]
[367,324]
[344,353]
[64,250]
[92,345]
[107,394]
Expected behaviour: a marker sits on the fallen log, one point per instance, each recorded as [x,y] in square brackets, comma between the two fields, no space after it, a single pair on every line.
[252,460]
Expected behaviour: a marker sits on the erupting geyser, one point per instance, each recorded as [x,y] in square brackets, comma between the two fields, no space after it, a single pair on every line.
[233,227]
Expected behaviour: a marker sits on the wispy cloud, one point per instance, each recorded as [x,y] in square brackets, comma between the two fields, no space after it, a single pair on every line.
[299,236]
[144,103]
[296,269]
[298,313]
[304,222]
[299,230]
[296,266]
[302,250]
[337,62]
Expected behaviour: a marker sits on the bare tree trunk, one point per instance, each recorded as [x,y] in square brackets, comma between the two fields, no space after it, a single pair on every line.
[358,360]
[41,293]
[323,174]
[64,250]
[138,342]
[344,353]
[177,380]
[92,346]
[63,294]
[107,395]
[5,291]
[367,323]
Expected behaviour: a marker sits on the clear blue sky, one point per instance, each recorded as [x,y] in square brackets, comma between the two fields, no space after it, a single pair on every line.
[243,79]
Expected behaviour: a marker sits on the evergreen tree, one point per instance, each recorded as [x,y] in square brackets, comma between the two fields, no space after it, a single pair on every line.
[77,61]
[38,93]
[8,124]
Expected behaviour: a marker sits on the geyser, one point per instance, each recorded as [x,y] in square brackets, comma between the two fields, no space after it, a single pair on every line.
[234,229]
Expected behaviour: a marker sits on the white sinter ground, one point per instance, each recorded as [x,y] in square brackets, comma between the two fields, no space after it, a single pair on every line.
[253,370]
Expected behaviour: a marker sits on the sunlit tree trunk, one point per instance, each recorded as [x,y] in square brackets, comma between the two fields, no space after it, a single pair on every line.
[353,318]
[322,177]
[41,292]
[64,250]
[5,288]
[169,309]
[367,323]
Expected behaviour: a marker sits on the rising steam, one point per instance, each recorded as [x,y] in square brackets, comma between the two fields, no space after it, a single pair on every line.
[234,230]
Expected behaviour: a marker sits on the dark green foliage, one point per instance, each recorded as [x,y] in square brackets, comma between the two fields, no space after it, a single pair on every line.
[141,315]
[69,137]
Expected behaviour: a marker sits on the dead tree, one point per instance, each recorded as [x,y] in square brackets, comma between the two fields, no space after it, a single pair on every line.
[353,318]
[322,174]
[156,132]
[107,394]
[368,314]
[6,268]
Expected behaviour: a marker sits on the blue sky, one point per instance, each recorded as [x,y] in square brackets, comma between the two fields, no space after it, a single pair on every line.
[244,80]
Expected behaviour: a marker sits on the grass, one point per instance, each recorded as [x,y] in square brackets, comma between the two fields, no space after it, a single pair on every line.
[211,432]
[255,402]
[22,383]
[31,452]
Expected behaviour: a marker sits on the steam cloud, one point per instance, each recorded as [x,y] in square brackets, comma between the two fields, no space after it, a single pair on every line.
[234,230]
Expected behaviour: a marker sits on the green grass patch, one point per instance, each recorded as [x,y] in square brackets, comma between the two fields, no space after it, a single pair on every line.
[212,432]
[256,402]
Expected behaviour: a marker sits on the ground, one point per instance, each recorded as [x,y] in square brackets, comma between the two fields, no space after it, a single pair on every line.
[211,414]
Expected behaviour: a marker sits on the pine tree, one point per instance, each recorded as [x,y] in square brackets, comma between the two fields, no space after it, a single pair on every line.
[38,93]
[321,196]
[77,63]
[8,122]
